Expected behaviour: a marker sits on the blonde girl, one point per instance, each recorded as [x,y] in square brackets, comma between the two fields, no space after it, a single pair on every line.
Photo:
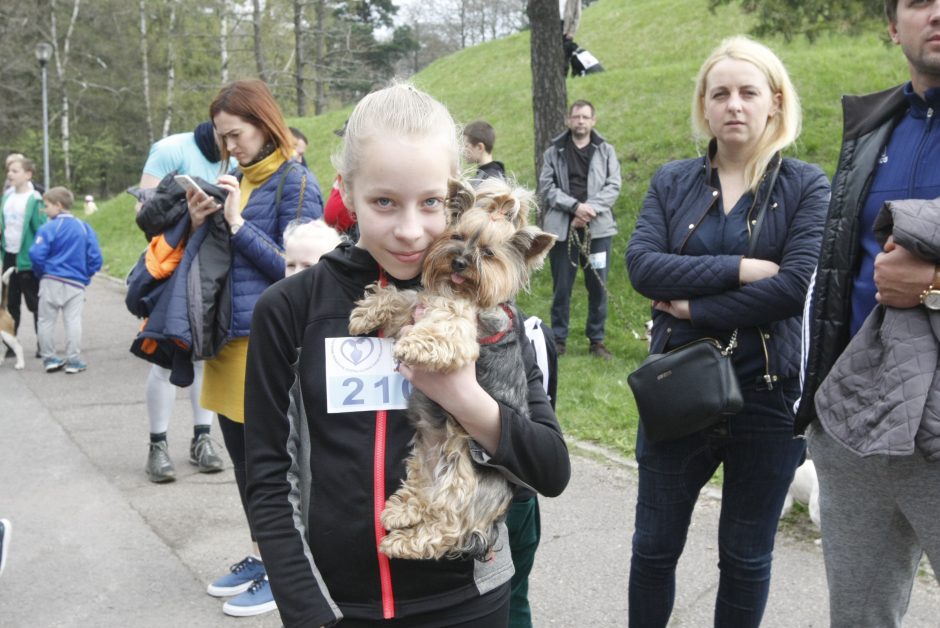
[320,469]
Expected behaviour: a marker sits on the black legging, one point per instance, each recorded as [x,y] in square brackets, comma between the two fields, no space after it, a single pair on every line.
[23,284]
[233,433]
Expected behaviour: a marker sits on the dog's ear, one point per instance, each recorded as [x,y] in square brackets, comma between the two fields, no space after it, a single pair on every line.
[508,206]
[460,197]
[534,244]
[504,200]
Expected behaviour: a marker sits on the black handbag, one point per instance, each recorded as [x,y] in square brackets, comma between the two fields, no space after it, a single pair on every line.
[693,386]
[687,389]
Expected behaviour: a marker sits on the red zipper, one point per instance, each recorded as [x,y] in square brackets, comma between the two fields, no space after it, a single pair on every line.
[378,492]
[378,498]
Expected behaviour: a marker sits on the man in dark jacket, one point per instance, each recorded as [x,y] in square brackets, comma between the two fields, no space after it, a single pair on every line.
[579,183]
[881,511]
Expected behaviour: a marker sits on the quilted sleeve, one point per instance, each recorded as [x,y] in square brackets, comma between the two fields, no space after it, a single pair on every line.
[781,296]
[658,274]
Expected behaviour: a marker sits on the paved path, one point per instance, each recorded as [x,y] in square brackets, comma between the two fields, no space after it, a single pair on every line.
[95,544]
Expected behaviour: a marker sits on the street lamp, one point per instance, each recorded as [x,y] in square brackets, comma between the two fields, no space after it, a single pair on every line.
[43,54]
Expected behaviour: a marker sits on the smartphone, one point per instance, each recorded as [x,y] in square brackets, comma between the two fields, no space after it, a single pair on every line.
[187,183]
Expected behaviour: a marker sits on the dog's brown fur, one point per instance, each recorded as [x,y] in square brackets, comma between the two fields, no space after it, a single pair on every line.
[449,506]
[8,326]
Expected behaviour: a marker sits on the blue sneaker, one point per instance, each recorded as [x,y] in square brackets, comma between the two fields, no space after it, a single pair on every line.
[4,542]
[242,575]
[75,365]
[52,364]
[258,599]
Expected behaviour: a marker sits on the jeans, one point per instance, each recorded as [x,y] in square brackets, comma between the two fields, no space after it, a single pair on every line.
[564,263]
[760,455]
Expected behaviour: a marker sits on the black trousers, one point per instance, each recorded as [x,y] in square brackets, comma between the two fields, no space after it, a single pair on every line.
[233,433]
[23,287]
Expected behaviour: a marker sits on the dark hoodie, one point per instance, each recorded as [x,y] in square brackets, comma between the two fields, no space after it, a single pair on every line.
[314,479]
[491,170]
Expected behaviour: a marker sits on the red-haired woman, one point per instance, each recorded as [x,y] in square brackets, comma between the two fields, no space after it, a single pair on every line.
[266,192]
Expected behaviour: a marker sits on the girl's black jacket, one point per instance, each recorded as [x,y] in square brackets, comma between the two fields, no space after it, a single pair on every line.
[314,479]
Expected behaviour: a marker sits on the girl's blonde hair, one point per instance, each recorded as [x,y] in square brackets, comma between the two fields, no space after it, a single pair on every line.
[313,229]
[782,129]
[398,110]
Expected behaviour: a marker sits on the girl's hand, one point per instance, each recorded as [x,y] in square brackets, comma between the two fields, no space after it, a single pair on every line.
[201,206]
[233,214]
[677,308]
[460,394]
[756,269]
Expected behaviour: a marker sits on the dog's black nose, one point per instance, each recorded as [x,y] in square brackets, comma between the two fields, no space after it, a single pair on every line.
[458,265]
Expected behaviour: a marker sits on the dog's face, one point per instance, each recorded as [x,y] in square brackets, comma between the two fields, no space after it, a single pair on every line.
[484,257]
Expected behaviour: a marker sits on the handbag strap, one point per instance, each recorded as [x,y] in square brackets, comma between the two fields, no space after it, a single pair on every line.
[762,211]
[752,242]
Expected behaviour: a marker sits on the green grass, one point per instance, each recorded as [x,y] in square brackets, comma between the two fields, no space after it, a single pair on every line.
[651,55]
[121,241]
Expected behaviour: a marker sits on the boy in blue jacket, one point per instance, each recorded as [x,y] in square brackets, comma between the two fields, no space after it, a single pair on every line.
[65,256]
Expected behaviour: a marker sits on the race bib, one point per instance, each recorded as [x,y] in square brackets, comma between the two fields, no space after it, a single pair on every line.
[587,59]
[598,260]
[361,376]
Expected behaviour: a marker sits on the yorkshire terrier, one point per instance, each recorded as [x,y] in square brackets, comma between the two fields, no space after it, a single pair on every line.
[8,328]
[450,504]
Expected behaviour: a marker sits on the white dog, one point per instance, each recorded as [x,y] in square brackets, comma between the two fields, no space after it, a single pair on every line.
[804,489]
[8,327]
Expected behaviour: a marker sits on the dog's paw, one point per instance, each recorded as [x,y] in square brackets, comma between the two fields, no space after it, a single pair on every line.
[411,544]
[362,322]
[400,514]
[433,353]
[19,366]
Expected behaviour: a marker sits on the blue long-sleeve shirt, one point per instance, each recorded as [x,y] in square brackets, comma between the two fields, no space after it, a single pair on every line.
[907,169]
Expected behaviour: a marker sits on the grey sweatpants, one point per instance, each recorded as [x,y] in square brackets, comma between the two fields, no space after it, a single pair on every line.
[55,296]
[879,515]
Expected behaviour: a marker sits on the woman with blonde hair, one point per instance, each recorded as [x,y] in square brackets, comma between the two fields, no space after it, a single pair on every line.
[725,246]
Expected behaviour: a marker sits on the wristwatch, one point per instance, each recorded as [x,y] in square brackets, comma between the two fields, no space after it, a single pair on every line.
[930,298]
[233,228]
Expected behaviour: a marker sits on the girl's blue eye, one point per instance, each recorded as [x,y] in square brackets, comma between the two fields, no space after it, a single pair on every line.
[432,202]
[383,202]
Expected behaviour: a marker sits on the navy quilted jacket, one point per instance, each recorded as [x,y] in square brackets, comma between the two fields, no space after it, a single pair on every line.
[678,199]
[258,247]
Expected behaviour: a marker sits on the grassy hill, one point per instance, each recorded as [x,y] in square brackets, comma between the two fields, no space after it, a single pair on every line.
[651,51]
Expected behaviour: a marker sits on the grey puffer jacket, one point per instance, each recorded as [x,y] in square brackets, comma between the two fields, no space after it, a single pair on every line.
[603,188]
[882,395]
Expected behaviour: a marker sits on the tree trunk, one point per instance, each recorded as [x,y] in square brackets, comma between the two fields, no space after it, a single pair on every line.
[223,39]
[259,52]
[170,70]
[549,91]
[145,67]
[320,102]
[463,24]
[61,54]
[299,57]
